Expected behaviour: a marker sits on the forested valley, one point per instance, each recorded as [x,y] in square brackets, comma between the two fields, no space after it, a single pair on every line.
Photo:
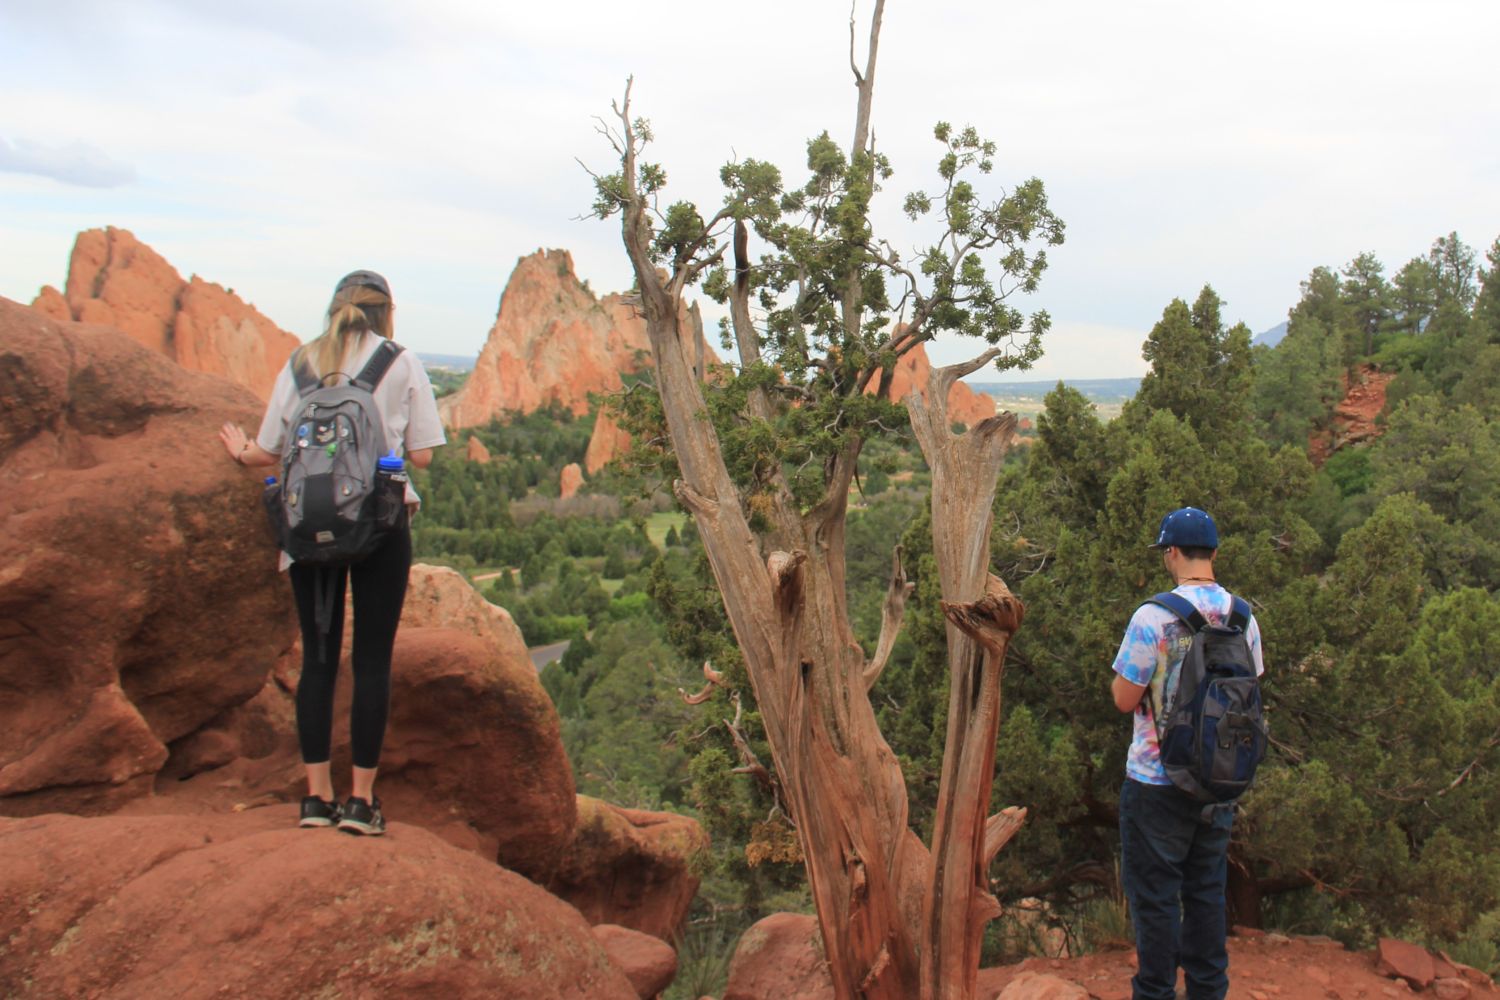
[1372,561]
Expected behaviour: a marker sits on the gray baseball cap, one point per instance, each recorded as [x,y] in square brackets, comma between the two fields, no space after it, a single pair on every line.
[368,279]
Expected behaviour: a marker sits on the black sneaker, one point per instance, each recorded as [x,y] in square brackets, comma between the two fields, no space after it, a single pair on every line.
[361,817]
[319,812]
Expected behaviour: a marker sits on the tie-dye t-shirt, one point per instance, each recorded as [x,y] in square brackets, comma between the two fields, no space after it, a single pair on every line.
[1155,643]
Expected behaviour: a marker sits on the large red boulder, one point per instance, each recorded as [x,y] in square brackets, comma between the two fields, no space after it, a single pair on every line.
[138,594]
[247,905]
[1404,960]
[649,963]
[780,958]
[1040,986]
[473,750]
[440,597]
[630,867]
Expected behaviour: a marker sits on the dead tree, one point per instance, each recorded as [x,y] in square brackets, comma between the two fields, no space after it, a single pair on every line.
[898,921]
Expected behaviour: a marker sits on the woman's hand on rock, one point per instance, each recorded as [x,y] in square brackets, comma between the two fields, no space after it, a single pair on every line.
[234,440]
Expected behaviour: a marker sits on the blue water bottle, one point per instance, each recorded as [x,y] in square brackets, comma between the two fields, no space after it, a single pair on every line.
[390,481]
[392,465]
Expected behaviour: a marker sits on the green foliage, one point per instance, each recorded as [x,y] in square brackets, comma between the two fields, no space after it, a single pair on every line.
[1373,583]
[828,287]
[1298,382]
[446,381]
[1374,578]
[1199,370]
[703,957]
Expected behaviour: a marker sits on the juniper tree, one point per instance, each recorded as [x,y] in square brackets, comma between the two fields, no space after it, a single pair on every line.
[765,464]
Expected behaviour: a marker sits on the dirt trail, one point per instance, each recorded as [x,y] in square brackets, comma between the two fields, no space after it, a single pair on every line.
[1270,967]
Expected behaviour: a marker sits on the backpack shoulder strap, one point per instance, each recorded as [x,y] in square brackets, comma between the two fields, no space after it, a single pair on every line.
[379,363]
[1181,607]
[302,373]
[1239,613]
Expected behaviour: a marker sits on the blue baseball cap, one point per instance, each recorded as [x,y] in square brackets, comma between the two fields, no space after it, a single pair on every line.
[1187,527]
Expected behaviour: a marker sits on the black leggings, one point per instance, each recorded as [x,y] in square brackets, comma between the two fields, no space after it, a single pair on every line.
[379,592]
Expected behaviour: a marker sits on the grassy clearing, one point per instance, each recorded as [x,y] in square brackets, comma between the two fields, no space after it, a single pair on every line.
[658,524]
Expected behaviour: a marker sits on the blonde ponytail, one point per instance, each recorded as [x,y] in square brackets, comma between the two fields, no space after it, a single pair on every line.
[355,309]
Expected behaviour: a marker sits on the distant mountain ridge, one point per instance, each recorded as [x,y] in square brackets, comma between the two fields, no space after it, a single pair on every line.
[449,362]
[1096,390]
[1271,337]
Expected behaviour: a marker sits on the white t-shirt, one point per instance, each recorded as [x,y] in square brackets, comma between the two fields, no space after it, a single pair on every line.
[404,398]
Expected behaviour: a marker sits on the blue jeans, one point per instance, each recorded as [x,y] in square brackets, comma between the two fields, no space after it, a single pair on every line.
[1173,864]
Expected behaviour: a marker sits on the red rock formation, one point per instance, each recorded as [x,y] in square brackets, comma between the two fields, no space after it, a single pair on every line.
[780,956]
[609,441]
[1403,960]
[440,597]
[51,304]
[1354,419]
[649,963]
[553,342]
[139,590]
[630,867]
[463,714]
[246,905]
[914,370]
[476,451]
[115,280]
[570,481]
[466,704]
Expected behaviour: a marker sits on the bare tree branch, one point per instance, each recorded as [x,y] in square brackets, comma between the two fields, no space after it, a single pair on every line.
[999,829]
[750,764]
[1468,772]
[891,615]
[972,365]
[715,679]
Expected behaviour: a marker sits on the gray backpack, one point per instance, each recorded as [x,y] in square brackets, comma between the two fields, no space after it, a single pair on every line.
[334,506]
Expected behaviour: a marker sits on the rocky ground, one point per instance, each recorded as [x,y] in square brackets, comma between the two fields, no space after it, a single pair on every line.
[1262,967]
[779,958]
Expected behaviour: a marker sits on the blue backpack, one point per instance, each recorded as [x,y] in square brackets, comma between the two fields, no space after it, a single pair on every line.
[1212,727]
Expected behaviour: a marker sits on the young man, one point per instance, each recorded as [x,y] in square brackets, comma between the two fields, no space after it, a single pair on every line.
[1173,849]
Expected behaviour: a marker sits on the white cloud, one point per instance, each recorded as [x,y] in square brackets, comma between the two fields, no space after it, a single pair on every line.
[1073,351]
[278,145]
[74,163]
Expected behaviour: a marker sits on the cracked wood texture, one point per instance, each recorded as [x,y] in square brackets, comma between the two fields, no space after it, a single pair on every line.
[982,616]
[788,608]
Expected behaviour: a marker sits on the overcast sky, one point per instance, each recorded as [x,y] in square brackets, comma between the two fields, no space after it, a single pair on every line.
[273,146]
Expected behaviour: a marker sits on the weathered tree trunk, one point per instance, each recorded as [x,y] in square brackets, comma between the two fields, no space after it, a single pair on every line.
[788,610]
[897,921]
[982,616]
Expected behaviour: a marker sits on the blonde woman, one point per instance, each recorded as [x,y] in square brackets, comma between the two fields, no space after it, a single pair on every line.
[359,318]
